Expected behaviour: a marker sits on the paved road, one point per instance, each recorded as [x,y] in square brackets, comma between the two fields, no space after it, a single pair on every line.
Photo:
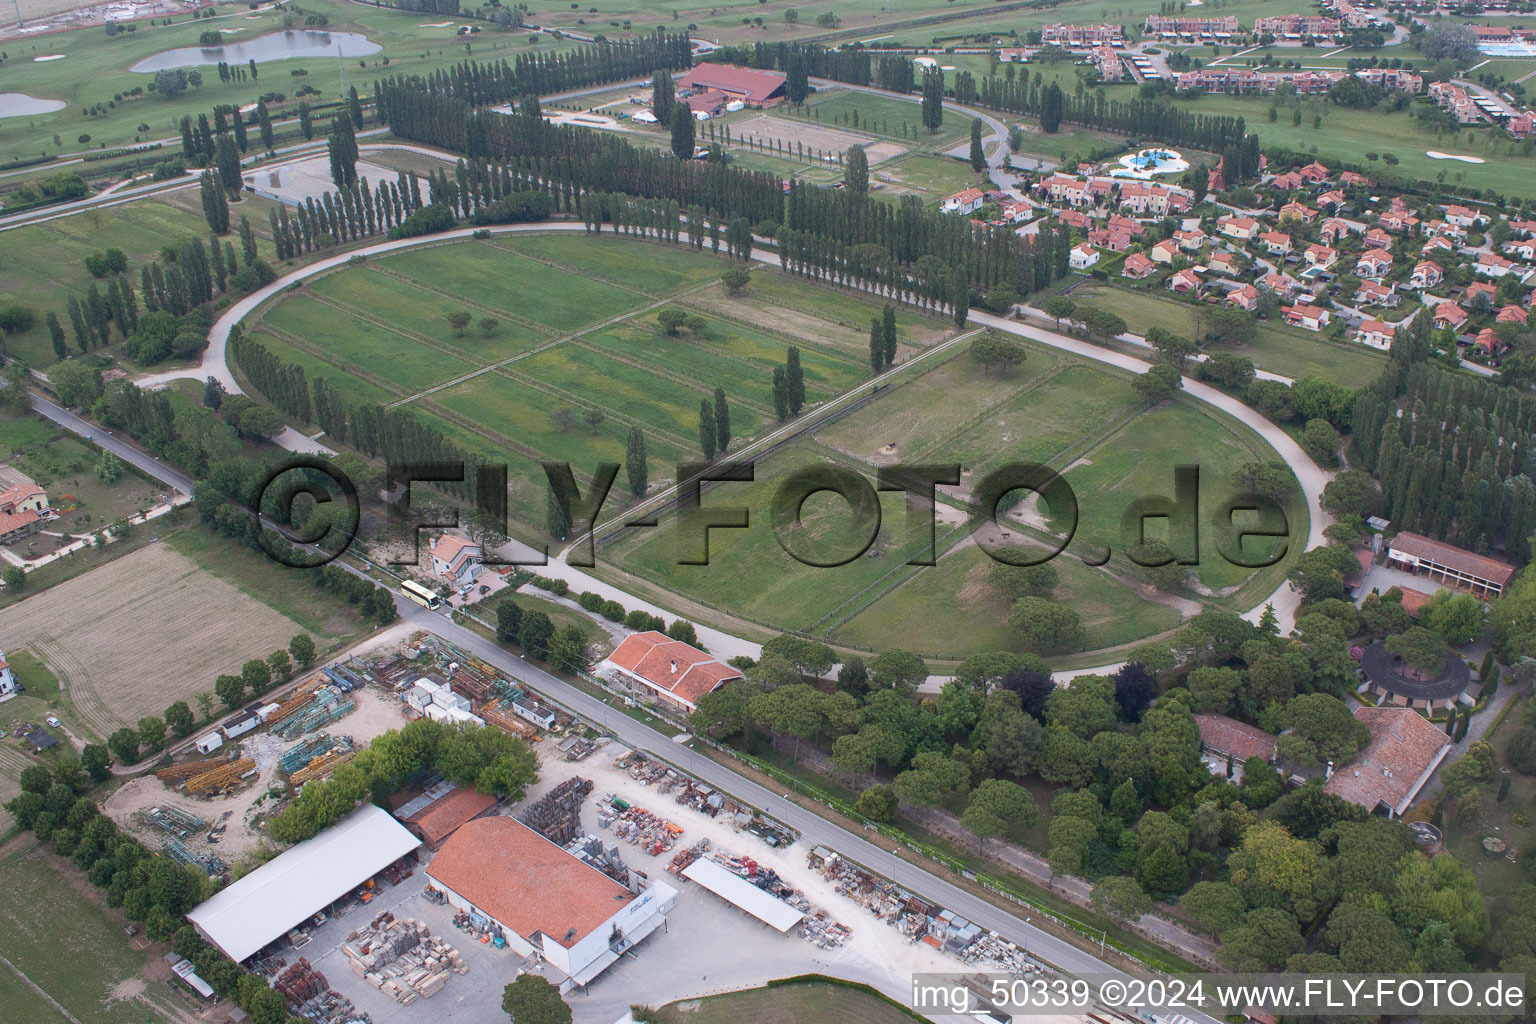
[150,465]
[995,146]
[1312,478]
[813,828]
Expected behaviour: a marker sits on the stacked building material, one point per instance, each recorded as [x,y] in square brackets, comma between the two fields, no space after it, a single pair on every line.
[683,858]
[651,832]
[187,769]
[297,698]
[321,766]
[402,958]
[222,777]
[326,707]
[303,753]
[500,714]
[179,823]
[300,983]
[557,814]
[478,682]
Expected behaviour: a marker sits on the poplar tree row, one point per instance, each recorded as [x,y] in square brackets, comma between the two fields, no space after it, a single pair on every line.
[481,84]
[1450,451]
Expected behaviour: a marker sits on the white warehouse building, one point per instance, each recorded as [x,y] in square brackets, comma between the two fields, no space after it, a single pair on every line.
[544,899]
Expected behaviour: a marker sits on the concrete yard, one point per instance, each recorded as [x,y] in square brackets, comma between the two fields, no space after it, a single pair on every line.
[701,952]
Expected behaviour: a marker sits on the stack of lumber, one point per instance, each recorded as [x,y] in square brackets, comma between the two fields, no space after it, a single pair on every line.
[297,698]
[321,766]
[224,775]
[177,772]
[402,958]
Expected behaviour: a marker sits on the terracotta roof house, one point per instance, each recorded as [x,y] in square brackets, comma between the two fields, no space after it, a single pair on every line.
[1374,293]
[1511,315]
[1376,334]
[1404,751]
[454,558]
[1449,315]
[1227,737]
[1246,297]
[1375,263]
[1378,239]
[21,510]
[544,900]
[1449,564]
[676,673]
[1222,263]
[1313,318]
[1165,251]
[1276,242]
[1301,211]
[967,200]
[1185,282]
[750,86]
[1321,255]
[1477,288]
[1315,172]
[1333,198]
[1137,266]
[1242,228]
[1426,275]
[1082,257]
[1487,343]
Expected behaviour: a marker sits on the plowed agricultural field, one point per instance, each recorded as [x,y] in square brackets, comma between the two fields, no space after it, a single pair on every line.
[129,638]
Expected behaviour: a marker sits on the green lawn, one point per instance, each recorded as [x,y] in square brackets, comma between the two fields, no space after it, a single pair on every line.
[379,332]
[881,115]
[931,176]
[423,314]
[1044,424]
[1349,135]
[750,574]
[808,1003]
[1138,462]
[95,71]
[950,611]
[1289,351]
[934,406]
[72,948]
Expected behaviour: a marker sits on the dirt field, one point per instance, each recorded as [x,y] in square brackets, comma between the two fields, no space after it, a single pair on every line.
[150,628]
[773,131]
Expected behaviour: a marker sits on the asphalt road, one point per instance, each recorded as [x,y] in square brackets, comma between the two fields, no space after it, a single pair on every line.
[814,829]
[122,449]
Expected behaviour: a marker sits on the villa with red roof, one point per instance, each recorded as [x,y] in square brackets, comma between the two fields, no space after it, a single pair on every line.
[455,559]
[676,673]
[21,509]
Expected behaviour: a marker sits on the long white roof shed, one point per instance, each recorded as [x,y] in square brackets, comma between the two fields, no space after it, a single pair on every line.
[734,889]
[285,891]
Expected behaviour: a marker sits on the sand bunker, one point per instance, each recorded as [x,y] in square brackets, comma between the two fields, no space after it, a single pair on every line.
[435,24]
[1435,154]
[51,56]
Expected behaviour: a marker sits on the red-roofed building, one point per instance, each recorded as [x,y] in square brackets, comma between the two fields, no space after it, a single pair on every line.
[676,673]
[1376,334]
[1448,315]
[1313,318]
[1449,564]
[1404,751]
[454,558]
[1137,266]
[967,200]
[21,511]
[544,900]
[1223,739]
[440,819]
[750,86]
